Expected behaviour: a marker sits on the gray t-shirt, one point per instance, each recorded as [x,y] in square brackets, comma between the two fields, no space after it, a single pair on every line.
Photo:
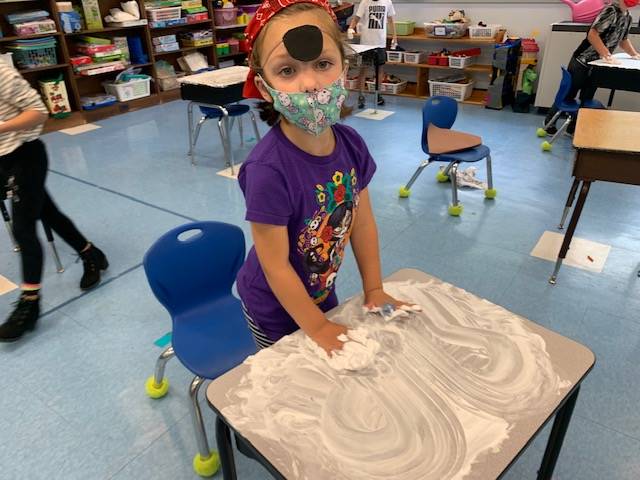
[613,25]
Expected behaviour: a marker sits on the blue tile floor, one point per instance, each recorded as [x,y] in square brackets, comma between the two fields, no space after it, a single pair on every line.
[72,402]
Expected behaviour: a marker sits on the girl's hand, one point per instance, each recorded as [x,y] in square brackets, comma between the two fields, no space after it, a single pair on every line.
[636,56]
[378,298]
[611,59]
[327,336]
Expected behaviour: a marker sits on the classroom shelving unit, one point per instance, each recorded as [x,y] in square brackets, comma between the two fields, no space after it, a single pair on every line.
[78,86]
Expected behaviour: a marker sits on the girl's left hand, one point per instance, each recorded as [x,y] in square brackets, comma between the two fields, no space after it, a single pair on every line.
[636,56]
[378,298]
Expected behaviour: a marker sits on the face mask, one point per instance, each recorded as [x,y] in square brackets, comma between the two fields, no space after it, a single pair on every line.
[313,112]
[631,3]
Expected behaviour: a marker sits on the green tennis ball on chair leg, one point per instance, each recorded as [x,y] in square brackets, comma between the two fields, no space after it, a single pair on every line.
[455,210]
[441,177]
[490,193]
[404,192]
[206,467]
[541,132]
[546,146]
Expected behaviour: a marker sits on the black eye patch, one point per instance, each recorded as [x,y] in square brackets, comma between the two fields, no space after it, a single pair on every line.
[304,43]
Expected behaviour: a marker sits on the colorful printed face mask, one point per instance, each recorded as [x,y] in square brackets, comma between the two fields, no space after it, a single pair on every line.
[313,112]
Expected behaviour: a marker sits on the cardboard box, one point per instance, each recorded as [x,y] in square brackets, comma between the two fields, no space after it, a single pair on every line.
[92,16]
[55,97]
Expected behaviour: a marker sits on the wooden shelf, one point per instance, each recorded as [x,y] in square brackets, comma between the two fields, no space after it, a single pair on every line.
[103,30]
[233,55]
[411,91]
[139,65]
[470,68]
[180,50]
[26,71]
[418,34]
[231,27]
[170,95]
[29,37]
[200,22]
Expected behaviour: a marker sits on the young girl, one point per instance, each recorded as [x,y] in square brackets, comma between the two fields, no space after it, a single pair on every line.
[23,169]
[608,31]
[305,183]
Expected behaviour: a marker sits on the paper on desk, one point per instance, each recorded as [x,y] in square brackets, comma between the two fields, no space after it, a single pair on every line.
[359,48]
[218,78]
[625,62]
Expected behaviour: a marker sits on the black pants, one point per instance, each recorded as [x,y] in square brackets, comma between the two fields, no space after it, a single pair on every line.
[25,171]
[580,82]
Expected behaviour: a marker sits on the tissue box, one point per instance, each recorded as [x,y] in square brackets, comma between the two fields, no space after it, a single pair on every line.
[70,21]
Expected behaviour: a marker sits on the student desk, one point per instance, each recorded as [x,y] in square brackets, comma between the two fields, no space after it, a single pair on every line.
[622,76]
[558,358]
[607,149]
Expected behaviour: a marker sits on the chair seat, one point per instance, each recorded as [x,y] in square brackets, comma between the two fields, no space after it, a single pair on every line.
[235,110]
[593,104]
[213,338]
[569,106]
[470,155]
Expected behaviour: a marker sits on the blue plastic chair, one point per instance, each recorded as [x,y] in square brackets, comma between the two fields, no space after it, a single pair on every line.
[235,111]
[192,278]
[568,106]
[442,112]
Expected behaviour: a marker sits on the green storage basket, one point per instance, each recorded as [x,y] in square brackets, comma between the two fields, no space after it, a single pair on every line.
[405,28]
[34,56]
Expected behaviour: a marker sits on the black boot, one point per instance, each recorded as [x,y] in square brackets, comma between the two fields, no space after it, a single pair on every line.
[361,102]
[93,261]
[380,101]
[21,320]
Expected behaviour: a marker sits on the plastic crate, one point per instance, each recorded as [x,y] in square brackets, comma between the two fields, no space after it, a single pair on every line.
[404,28]
[457,91]
[394,56]
[490,31]
[415,57]
[129,91]
[351,84]
[371,86]
[393,88]
[461,62]
[171,82]
[445,30]
[225,17]
[34,57]
[164,14]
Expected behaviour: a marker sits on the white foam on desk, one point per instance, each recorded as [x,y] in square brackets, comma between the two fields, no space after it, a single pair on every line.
[445,387]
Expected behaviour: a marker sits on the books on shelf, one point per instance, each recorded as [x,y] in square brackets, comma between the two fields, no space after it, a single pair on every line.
[129,23]
[96,69]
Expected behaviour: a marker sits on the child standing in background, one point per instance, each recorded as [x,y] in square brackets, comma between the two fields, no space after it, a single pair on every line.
[305,183]
[375,14]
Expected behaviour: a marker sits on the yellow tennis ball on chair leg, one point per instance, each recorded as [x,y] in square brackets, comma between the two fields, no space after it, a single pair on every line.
[546,146]
[404,192]
[541,132]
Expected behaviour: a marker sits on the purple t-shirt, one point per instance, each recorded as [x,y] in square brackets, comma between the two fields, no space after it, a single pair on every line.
[316,198]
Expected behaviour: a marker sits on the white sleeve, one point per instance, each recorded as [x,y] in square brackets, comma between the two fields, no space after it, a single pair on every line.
[361,8]
[391,12]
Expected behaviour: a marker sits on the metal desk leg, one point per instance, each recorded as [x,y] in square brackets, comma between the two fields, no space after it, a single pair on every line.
[612,95]
[570,199]
[227,140]
[572,228]
[377,91]
[190,124]
[225,450]
[558,431]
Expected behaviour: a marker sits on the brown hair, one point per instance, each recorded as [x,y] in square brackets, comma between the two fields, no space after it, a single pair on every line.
[267,112]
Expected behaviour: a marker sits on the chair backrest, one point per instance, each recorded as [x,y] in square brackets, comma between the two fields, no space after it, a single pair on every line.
[194,263]
[439,111]
[565,86]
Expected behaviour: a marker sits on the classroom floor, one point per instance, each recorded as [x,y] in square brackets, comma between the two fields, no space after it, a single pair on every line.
[73,404]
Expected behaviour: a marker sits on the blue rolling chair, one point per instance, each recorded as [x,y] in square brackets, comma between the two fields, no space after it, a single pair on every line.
[568,106]
[441,112]
[192,278]
[234,111]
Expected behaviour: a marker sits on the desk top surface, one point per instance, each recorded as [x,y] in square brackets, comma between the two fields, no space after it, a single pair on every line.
[456,391]
[608,130]
[625,62]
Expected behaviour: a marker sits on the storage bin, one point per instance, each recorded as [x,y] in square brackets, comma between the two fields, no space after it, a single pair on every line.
[222,49]
[171,82]
[445,30]
[414,57]
[394,56]
[249,10]
[351,83]
[225,17]
[404,28]
[457,91]
[461,62]
[234,46]
[33,57]
[124,92]
[393,88]
[488,32]
[164,14]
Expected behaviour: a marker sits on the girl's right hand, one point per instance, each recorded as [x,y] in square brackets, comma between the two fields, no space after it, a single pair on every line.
[327,336]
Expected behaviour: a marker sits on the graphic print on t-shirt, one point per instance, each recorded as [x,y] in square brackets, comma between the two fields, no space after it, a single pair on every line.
[376,17]
[326,234]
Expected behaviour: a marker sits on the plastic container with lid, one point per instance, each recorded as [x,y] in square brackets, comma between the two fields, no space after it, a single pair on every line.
[225,17]
[446,30]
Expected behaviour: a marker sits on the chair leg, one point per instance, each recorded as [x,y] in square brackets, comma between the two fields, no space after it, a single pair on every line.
[206,462]
[490,192]
[553,120]
[49,234]
[255,126]
[190,126]
[196,135]
[406,190]
[241,129]
[7,223]
[157,386]
[455,209]
[561,130]
[223,139]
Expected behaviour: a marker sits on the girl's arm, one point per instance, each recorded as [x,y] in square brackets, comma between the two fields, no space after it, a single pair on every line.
[628,47]
[272,247]
[24,121]
[364,241]
[394,36]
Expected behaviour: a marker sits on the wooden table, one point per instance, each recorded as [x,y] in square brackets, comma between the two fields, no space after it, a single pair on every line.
[607,149]
[622,76]
[558,358]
